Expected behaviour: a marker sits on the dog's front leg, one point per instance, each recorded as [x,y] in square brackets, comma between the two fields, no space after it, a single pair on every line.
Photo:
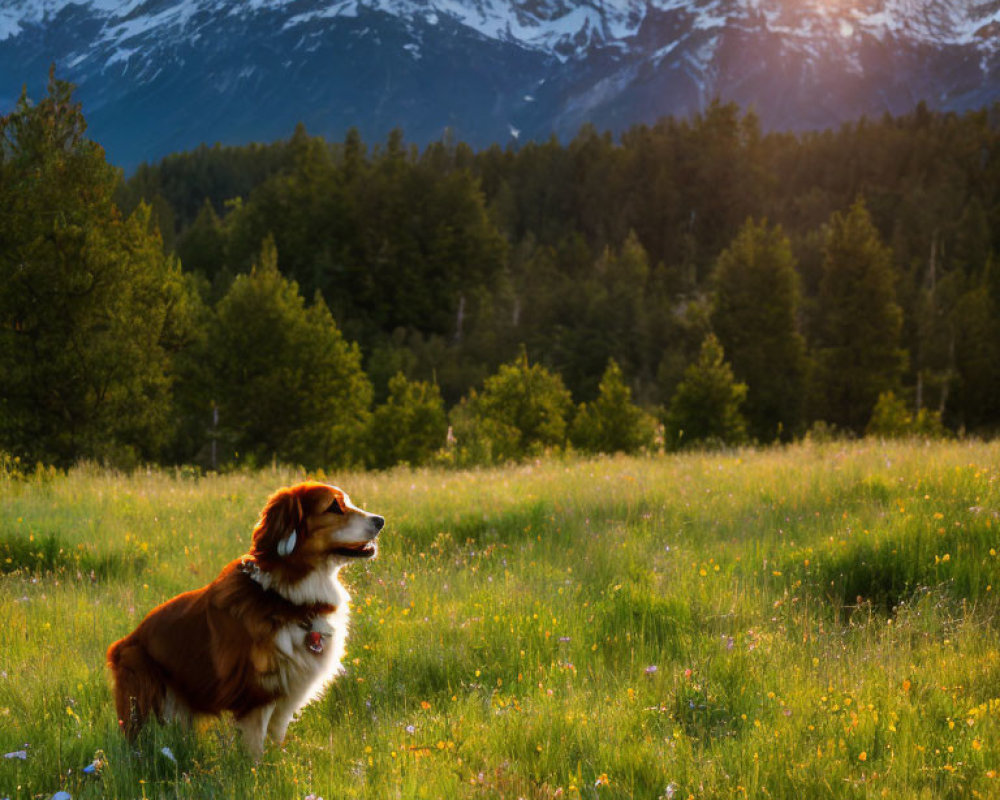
[254,727]
[283,713]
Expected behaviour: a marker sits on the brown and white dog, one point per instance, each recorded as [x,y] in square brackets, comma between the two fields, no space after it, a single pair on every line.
[265,637]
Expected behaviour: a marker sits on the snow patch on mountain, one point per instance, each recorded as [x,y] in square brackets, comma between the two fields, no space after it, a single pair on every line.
[564,28]
[346,8]
[479,66]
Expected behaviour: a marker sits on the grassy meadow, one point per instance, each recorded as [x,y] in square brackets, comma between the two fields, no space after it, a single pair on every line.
[809,622]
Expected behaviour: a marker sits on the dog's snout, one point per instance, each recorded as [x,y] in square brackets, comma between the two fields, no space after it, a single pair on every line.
[377,522]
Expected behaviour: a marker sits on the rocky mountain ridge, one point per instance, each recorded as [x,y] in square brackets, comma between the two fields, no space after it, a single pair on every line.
[157,76]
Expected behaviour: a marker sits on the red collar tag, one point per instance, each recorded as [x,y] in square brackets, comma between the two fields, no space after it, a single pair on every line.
[314,640]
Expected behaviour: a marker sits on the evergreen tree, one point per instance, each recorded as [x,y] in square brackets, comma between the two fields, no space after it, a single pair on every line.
[285,381]
[754,316]
[612,423]
[598,313]
[972,246]
[976,322]
[706,406]
[521,411]
[305,209]
[423,241]
[410,426]
[202,248]
[90,306]
[625,276]
[892,420]
[857,355]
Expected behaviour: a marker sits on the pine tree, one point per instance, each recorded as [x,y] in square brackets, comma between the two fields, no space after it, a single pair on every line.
[202,248]
[521,411]
[857,355]
[90,305]
[706,406]
[410,426]
[754,316]
[612,423]
[975,403]
[286,382]
[891,419]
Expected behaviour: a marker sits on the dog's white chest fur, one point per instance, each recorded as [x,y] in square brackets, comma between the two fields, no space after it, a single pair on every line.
[303,672]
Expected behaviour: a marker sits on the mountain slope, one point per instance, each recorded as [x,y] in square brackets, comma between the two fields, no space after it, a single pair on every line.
[157,76]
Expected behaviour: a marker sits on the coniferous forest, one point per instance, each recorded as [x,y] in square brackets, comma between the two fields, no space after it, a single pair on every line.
[345,303]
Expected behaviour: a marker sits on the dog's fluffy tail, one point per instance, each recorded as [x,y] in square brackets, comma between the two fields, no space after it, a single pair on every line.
[139,688]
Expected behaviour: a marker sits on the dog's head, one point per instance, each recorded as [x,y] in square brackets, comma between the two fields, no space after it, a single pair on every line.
[311,523]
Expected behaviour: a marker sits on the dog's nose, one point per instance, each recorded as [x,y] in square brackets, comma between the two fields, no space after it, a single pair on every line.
[377,522]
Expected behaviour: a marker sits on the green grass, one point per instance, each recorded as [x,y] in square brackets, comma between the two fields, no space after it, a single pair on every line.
[817,621]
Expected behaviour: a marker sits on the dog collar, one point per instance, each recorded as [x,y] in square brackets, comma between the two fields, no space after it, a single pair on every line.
[311,616]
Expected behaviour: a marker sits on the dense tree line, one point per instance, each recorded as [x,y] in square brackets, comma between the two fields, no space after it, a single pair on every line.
[334,303]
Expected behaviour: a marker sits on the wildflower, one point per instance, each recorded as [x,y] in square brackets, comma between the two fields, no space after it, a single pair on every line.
[906,685]
[96,765]
[61,796]
[425,705]
[169,754]
[410,729]
[651,669]
[862,756]
[21,754]
[602,780]
[671,790]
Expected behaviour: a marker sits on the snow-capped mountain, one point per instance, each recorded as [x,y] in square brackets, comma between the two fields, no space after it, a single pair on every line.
[157,76]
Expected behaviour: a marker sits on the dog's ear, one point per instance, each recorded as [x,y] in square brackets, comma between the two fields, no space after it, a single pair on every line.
[287,545]
[276,533]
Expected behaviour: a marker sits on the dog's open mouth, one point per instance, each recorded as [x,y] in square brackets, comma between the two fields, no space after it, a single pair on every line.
[361,550]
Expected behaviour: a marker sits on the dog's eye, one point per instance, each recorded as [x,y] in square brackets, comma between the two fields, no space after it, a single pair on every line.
[335,508]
